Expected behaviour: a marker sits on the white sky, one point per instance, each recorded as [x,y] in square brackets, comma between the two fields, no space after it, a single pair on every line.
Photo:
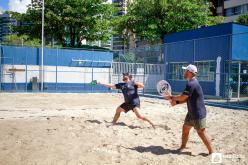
[19,6]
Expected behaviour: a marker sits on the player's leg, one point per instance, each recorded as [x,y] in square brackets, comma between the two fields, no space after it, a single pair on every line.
[138,115]
[202,134]
[185,135]
[117,114]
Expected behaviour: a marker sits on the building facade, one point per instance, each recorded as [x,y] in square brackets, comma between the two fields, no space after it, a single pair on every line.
[118,42]
[231,9]
[5,25]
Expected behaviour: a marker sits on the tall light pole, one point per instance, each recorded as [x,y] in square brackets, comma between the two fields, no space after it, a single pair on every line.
[42,46]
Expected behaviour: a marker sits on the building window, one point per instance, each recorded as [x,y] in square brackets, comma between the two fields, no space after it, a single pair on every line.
[246,8]
[175,70]
[206,70]
[233,11]
[237,10]
[228,12]
[219,3]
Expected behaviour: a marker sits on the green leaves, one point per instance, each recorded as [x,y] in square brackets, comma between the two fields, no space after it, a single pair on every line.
[21,40]
[69,20]
[243,19]
[152,19]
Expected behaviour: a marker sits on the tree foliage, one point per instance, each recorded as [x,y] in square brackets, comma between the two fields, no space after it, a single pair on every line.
[24,40]
[152,19]
[243,19]
[68,21]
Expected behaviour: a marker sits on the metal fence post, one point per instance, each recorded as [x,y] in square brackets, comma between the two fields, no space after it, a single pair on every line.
[239,80]
[56,83]
[144,65]
[92,70]
[194,51]
[0,68]
[119,70]
[26,71]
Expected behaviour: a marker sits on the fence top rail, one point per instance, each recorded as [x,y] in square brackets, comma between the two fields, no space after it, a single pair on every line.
[196,39]
[136,63]
[78,60]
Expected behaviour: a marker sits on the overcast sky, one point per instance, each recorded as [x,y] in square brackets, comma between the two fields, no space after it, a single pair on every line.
[17,5]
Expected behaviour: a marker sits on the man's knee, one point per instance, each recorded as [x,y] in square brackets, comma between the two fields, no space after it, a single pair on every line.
[186,129]
[139,116]
[201,131]
[119,110]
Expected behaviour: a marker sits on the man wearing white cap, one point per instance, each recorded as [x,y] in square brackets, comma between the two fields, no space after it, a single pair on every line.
[196,116]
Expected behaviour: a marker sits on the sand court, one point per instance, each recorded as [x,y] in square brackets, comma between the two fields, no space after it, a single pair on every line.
[74,129]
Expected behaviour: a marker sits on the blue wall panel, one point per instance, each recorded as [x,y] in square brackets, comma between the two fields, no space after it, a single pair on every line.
[223,29]
[240,42]
[179,52]
[60,87]
[211,48]
[179,86]
[53,57]
[17,55]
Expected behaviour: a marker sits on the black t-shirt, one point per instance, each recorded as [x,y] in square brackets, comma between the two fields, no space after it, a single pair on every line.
[195,102]
[130,92]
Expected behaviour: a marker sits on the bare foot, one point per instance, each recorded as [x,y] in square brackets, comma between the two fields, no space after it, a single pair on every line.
[153,126]
[210,153]
[110,124]
[181,149]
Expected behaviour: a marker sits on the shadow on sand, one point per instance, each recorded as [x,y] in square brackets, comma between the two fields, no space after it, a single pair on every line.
[125,125]
[94,121]
[157,150]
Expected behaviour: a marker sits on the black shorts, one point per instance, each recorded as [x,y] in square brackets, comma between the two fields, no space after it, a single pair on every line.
[127,107]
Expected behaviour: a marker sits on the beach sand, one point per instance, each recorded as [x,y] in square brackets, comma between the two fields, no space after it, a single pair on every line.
[74,129]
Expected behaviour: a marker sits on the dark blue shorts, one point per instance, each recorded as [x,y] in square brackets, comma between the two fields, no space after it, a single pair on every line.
[127,107]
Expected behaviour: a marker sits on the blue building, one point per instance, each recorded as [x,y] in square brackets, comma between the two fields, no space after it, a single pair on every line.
[221,54]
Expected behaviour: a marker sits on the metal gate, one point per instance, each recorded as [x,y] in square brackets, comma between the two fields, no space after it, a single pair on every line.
[148,74]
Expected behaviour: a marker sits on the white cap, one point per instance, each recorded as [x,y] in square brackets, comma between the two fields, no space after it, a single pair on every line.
[191,68]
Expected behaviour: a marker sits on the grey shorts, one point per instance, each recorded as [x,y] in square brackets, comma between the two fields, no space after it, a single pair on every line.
[197,124]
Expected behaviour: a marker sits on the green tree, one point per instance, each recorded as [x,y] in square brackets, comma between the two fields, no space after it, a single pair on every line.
[243,19]
[24,40]
[152,19]
[68,20]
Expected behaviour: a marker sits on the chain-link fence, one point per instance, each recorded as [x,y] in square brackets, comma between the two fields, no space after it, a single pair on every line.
[222,67]
[65,70]
[145,64]
[222,63]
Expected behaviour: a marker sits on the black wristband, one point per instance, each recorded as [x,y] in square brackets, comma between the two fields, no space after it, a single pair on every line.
[177,102]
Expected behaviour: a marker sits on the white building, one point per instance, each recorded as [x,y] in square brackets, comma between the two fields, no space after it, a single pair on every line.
[232,9]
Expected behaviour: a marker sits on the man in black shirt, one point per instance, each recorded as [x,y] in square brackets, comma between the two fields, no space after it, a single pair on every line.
[129,90]
[196,116]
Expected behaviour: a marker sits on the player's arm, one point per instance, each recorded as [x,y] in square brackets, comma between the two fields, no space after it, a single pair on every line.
[180,99]
[174,100]
[112,86]
[139,84]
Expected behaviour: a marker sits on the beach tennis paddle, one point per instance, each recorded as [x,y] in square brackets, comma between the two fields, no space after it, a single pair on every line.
[93,82]
[164,88]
